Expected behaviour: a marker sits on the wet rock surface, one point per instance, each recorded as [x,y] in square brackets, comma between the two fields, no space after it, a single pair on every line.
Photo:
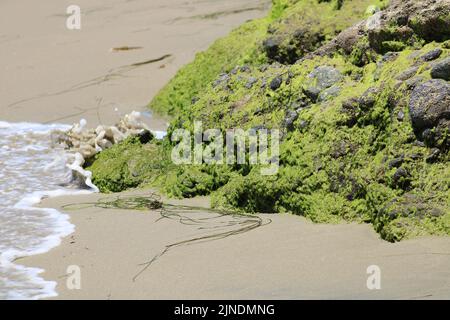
[430,103]
[441,70]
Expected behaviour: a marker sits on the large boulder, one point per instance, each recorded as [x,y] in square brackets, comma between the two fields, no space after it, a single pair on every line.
[441,70]
[429,104]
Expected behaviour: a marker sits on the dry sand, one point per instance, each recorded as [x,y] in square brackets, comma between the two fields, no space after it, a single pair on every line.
[51,74]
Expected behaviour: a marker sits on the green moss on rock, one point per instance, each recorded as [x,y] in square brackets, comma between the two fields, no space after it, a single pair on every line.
[129,164]
[349,150]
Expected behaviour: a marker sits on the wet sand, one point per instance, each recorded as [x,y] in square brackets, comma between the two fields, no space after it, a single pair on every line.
[287,257]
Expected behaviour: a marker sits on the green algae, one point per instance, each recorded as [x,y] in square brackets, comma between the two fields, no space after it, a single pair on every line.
[130,164]
[244,45]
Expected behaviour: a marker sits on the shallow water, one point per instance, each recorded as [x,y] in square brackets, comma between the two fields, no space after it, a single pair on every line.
[31,167]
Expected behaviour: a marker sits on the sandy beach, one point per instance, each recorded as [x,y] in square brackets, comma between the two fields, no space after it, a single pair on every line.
[287,257]
[51,74]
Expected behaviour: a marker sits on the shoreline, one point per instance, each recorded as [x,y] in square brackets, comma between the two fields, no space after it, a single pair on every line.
[47,89]
[302,260]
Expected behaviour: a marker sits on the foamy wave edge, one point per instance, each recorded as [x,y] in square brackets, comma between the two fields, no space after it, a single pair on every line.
[62,220]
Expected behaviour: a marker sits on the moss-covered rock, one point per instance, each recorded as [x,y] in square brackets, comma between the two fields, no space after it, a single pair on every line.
[349,111]
[130,164]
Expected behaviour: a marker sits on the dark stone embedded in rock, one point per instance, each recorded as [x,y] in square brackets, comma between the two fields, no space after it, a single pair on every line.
[401,178]
[341,149]
[432,55]
[429,103]
[271,47]
[420,144]
[441,70]
[428,137]
[290,118]
[396,163]
[416,156]
[442,136]
[276,83]
[289,77]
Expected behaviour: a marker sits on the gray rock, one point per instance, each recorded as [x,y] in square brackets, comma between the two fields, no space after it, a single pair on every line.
[325,76]
[407,74]
[350,108]
[250,82]
[441,70]
[414,82]
[368,98]
[312,93]
[263,68]
[223,78]
[303,124]
[436,212]
[429,103]
[390,56]
[245,68]
[400,116]
[329,93]
[432,55]
[290,118]
[276,83]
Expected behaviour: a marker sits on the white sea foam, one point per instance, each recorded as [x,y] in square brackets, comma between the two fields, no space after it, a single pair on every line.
[31,168]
